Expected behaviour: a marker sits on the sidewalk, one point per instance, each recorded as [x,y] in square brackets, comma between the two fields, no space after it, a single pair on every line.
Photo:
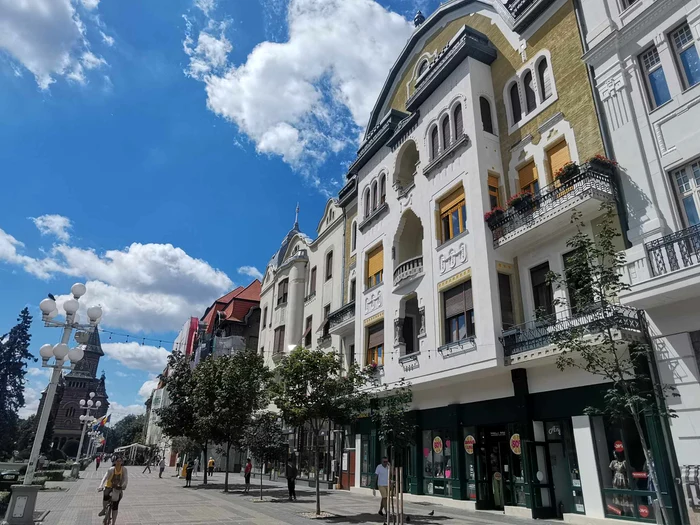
[149,500]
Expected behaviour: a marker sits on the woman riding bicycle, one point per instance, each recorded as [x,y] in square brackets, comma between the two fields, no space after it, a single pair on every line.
[114,483]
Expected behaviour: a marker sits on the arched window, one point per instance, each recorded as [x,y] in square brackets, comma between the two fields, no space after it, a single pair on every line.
[530,100]
[445,132]
[374,195]
[353,240]
[367,203]
[545,81]
[485,108]
[423,66]
[459,123]
[434,142]
[515,103]
[382,189]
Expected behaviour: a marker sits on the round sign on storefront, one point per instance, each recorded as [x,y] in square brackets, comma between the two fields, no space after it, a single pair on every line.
[437,445]
[619,447]
[643,511]
[469,443]
[515,445]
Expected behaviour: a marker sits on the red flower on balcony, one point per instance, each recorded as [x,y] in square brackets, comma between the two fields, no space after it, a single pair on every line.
[518,198]
[602,159]
[494,213]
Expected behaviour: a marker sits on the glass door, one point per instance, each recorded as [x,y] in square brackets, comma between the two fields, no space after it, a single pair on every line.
[539,469]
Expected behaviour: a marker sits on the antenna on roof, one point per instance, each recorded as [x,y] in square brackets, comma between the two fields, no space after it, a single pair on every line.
[296,218]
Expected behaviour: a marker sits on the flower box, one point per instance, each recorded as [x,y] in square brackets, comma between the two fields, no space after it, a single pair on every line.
[492,217]
[567,172]
[602,164]
[520,201]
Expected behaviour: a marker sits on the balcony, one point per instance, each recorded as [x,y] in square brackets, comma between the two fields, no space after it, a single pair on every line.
[408,271]
[534,339]
[324,340]
[342,321]
[547,212]
[666,271]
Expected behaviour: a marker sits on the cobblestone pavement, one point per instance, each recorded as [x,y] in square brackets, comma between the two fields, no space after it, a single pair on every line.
[153,501]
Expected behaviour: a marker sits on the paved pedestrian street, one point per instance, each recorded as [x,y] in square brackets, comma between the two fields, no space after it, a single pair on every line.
[153,501]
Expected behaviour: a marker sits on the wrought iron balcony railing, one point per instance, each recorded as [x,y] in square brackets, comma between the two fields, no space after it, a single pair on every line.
[341,315]
[408,269]
[675,251]
[536,209]
[544,331]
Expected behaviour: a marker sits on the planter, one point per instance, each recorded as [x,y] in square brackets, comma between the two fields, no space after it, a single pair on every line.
[493,218]
[602,166]
[522,203]
[568,172]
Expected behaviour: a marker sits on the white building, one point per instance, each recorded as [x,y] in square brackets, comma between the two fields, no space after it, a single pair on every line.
[647,74]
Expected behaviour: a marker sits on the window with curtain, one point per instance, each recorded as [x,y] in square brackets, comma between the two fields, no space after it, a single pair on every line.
[494,193]
[686,55]
[485,108]
[527,175]
[544,78]
[530,100]
[375,344]
[282,292]
[434,142]
[445,133]
[453,214]
[541,291]
[459,122]
[375,266]
[515,107]
[459,312]
[558,156]
[505,294]
[329,265]
[654,77]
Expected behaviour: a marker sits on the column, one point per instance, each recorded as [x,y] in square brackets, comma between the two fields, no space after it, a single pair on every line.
[295,305]
[588,466]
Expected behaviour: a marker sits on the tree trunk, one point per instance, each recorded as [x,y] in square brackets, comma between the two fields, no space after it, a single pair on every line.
[261,475]
[206,463]
[228,454]
[318,476]
[651,465]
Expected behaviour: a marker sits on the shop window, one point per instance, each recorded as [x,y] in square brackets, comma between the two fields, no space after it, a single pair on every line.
[375,267]
[459,122]
[282,292]
[528,177]
[506,296]
[628,491]
[329,265]
[530,99]
[453,214]
[687,182]
[375,344]
[366,470]
[434,143]
[542,294]
[459,313]
[445,133]
[485,108]
[686,55]
[494,193]
[307,332]
[654,78]
[543,75]
[312,283]
[437,463]
[515,107]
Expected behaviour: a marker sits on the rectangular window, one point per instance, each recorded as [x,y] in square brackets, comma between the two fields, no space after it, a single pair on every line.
[459,312]
[655,78]
[352,354]
[541,291]
[353,290]
[494,194]
[329,265]
[375,344]
[453,215]
[506,296]
[282,292]
[307,332]
[265,317]
[558,156]
[279,340]
[529,181]
[375,267]
[687,182]
[326,314]
[312,281]
[686,55]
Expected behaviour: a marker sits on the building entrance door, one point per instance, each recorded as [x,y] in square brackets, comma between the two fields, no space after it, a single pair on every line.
[491,467]
[539,469]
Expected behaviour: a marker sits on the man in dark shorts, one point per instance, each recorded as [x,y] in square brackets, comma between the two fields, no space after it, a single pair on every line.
[246,474]
[113,484]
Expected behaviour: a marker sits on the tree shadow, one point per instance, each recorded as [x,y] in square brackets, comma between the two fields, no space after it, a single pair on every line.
[367,517]
[269,491]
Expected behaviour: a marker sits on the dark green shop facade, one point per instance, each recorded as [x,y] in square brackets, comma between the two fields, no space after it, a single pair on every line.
[521,452]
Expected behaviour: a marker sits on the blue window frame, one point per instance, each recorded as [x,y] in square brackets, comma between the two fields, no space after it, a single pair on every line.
[655,78]
[686,55]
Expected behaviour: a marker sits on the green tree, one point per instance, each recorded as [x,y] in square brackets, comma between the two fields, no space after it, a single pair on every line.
[14,355]
[593,278]
[227,392]
[26,430]
[185,446]
[128,430]
[391,416]
[264,439]
[312,391]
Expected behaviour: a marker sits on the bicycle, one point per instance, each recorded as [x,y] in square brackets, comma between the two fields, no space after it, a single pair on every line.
[108,509]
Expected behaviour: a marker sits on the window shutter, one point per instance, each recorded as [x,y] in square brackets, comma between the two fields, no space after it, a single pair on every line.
[459,123]
[452,200]
[454,301]
[558,156]
[375,261]
[468,298]
[375,335]
[527,174]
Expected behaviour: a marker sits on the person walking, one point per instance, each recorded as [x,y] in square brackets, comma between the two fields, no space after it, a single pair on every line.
[382,473]
[196,467]
[291,474]
[211,465]
[113,486]
[148,465]
[161,467]
[246,475]
[189,467]
[98,459]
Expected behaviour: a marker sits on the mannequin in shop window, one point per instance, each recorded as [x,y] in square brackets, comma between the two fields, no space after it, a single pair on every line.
[620,481]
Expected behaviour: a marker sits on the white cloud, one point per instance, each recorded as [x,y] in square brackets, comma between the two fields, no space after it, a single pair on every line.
[137,356]
[119,373]
[39,372]
[90,61]
[211,52]
[56,225]
[250,271]
[47,37]
[32,396]
[42,268]
[148,387]
[119,412]
[107,39]
[205,5]
[301,98]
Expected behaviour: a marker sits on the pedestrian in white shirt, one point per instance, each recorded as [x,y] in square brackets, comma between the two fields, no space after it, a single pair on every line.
[382,473]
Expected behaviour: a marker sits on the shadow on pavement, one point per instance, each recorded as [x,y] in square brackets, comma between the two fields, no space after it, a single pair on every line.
[366,517]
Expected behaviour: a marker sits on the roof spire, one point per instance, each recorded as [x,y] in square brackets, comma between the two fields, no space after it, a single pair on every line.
[296,218]
[418,19]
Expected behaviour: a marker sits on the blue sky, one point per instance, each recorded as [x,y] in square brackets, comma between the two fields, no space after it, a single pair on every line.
[157,149]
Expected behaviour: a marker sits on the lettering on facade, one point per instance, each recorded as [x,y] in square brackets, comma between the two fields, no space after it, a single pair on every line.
[456,256]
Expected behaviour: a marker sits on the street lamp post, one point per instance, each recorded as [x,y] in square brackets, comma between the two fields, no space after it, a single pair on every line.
[88,406]
[23,500]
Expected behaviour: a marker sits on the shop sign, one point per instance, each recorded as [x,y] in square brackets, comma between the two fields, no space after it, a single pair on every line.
[618,446]
[497,476]
[614,509]
[437,445]
[469,443]
[579,508]
[643,511]
[515,444]
[640,475]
